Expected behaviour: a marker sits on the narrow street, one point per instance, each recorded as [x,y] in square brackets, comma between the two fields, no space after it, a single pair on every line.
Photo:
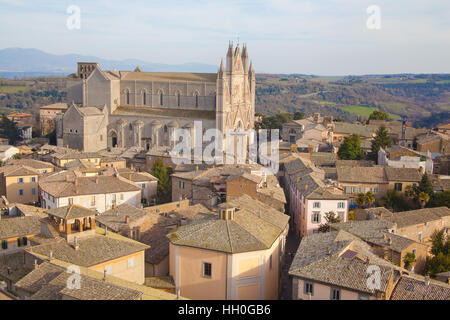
[292,242]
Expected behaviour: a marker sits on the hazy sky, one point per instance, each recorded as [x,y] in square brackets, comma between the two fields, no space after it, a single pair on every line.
[324,37]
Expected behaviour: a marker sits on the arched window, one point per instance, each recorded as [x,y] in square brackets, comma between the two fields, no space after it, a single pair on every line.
[144,98]
[161,98]
[128,97]
[179,99]
[196,99]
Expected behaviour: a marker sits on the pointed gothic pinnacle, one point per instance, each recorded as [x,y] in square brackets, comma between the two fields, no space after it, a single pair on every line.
[244,50]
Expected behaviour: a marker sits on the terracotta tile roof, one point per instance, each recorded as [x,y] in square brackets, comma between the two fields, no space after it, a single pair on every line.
[352,128]
[355,163]
[34,164]
[72,154]
[361,174]
[55,106]
[376,232]
[248,231]
[321,257]
[58,186]
[114,218]
[169,76]
[19,227]
[90,289]
[136,176]
[413,217]
[415,288]
[93,289]
[28,210]
[70,212]
[323,158]
[402,174]
[92,251]
[39,277]
[156,236]
[17,170]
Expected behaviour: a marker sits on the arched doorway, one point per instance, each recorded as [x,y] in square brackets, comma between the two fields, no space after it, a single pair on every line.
[112,139]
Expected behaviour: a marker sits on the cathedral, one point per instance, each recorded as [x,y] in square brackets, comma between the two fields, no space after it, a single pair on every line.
[122,109]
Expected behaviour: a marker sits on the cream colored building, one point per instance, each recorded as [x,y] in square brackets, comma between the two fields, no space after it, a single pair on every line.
[19,184]
[99,193]
[47,116]
[143,109]
[233,255]
[69,234]
[335,266]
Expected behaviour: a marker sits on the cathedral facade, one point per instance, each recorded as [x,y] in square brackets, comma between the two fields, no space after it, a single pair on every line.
[124,109]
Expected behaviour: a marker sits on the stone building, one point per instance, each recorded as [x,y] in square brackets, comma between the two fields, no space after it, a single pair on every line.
[47,116]
[142,109]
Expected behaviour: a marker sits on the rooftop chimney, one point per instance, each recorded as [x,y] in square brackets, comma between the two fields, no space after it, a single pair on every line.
[390,240]
[76,246]
[96,180]
[427,280]
[127,219]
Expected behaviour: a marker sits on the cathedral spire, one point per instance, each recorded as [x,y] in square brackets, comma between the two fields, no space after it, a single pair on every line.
[245,57]
[221,70]
[251,71]
[230,57]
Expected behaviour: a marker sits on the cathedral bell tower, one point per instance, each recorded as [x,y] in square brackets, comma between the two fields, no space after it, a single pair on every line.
[235,109]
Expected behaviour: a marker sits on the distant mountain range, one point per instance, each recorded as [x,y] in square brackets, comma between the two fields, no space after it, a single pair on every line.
[20,62]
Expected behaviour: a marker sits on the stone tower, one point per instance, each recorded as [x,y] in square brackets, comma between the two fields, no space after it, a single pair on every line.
[235,108]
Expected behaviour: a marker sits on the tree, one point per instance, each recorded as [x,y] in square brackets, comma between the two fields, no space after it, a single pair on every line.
[395,201]
[160,171]
[423,199]
[440,249]
[51,136]
[360,199]
[381,140]
[351,149]
[351,215]
[299,115]
[439,199]
[379,115]
[9,130]
[409,191]
[409,260]
[17,156]
[437,242]
[330,217]
[370,198]
[425,186]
